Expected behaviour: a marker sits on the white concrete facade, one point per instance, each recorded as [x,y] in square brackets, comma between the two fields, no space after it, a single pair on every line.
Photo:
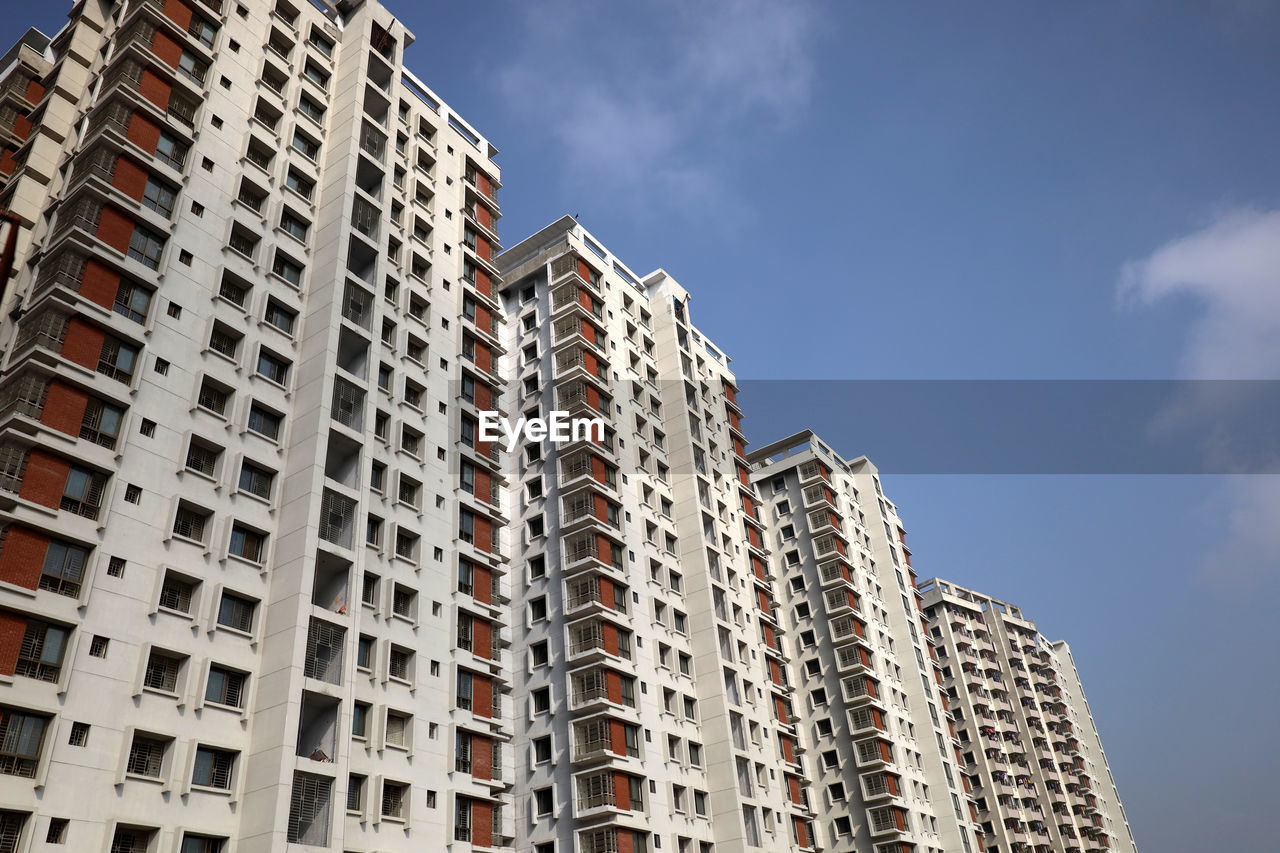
[232,499]
[1029,742]
[884,766]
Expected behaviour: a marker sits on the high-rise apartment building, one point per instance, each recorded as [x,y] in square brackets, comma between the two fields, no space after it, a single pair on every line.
[1027,735]
[643,671]
[254,304]
[886,769]
[267,583]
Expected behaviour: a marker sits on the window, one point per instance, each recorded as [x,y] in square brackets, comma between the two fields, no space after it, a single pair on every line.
[201,844]
[41,652]
[213,768]
[313,73]
[79,734]
[544,801]
[145,246]
[224,341]
[117,360]
[541,700]
[132,301]
[400,663]
[255,480]
[311,109]
[464,692]
[294,225]
[280,317]
[176,593]
[397,728]
[308,147]
[360,719]
[264,422]
[309,808]
[63,569]
[98,647]
[299,184]
[170,151]
[213,397]
[146,755]
[273,367]
[287,269]
[236,612]
[162,672]
[364,652]
[159,197]
[542,749]
[395,797]
[355,792]
[403,601]
[225,687]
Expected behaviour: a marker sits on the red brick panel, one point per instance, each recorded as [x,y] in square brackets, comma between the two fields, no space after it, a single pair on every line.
[481,638]
[130,178]
[484,357]
[613,687]
[64,408]
[83,343]
[484,533]
[99,284]
[154,89]
[143,132]
[802,832]
[45,478]
[484,319]
[178,12]
[481,757]
[618,737]
[481,824]
[622,790]
[481,695]
[22,559]
[484,283]
[12,629]
[482,584]
[35,91]
[166,48]
[115,229]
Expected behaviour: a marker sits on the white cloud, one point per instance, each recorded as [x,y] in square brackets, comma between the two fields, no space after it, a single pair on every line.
[635,109]
[1232,267]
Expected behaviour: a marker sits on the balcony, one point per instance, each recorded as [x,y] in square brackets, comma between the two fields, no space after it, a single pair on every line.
[583,551]
[571,330]
[821,521]
[865,721]
[853,660]
[580,364]
[812,470]
[599,688]
[840,601]
[819,494]
[873,753]
[859,690]
[585,596]
[570,269]
[582,511]
[595,640]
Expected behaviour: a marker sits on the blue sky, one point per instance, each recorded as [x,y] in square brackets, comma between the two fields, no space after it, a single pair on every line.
[959,190]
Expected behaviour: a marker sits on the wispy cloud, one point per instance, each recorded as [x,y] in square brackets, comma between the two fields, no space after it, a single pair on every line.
[1232,267]
[643,106]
